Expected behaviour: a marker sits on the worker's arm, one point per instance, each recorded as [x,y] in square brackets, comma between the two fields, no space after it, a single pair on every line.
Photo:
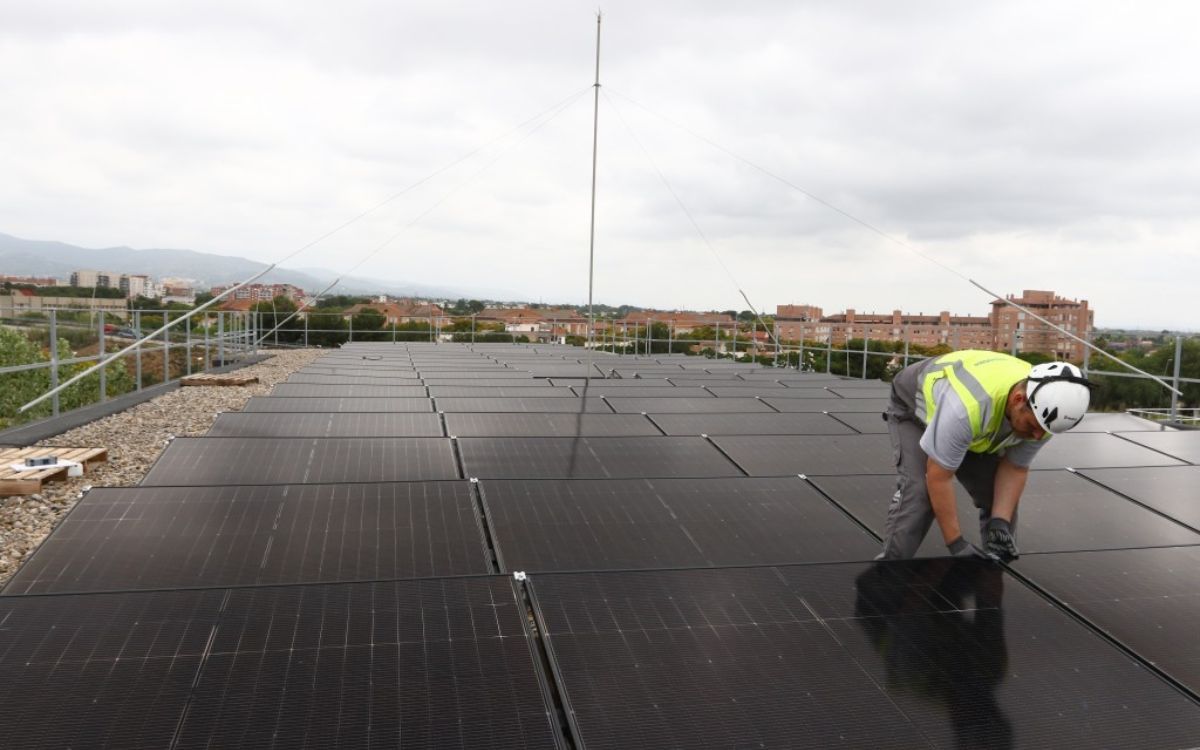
[940,482]
[1010,483]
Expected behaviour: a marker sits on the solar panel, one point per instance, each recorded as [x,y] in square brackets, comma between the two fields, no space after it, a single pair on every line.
[946,655]
[366,372]
[614,383]
[548,425]
[392,379]
[413,664]
[1104,422]
[868,423]
[626,405]
[1096,450]
[213,461]
[600,389]
[582,524]
[529,405]
[861,392]
[309,390]
[840,406]
[313,424]
[1059,512]
[518,380]
[1147,599]
[541,390]
[1184,445]
[750,424]
[1169,489]
[100,671]
[781,455]
[786,391]
[171,537]
[349,404]
[592,458]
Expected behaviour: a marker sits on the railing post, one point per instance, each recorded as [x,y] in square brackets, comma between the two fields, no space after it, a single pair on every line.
[866,341]
[207,347]
[54,359]
[187,348]
[717,343]
[800,354]
[103,370]
[221,337]
[351,319]
[473,328]
[829,352]
[305,330]
[906,341]
[1175,379]
[1087,350]
[166,347]
[137,329]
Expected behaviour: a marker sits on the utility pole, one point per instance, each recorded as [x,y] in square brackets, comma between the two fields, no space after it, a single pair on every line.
[595,148]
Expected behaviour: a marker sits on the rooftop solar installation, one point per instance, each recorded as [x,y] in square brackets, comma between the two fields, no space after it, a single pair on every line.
[310,390]
[1171,490]
[177,537]
[561,525]
[318,572]
[1148,599]
[627,405]
[841,405]
[1184,444]
[526,404]
[1104,422]
[332,404]
[592,458]
[782,455]
[409,664]
[548,425]
[110,671]
[222,461]
[750,424]
[1095,450]
[930,653]
[315,424]
[1059,512]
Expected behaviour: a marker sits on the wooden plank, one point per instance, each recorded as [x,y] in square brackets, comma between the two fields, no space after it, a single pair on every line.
[27,482]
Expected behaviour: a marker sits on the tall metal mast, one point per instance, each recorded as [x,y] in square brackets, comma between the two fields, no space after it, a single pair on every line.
[592,240]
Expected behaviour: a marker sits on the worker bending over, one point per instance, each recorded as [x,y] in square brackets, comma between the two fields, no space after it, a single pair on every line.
[982,417]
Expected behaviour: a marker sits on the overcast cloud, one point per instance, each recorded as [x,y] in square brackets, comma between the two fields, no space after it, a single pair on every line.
[1025,144]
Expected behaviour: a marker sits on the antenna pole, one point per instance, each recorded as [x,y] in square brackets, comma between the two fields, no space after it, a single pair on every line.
[592,238]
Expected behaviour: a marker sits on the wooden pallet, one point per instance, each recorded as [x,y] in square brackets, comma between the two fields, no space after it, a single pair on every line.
[29,482]
[219,378]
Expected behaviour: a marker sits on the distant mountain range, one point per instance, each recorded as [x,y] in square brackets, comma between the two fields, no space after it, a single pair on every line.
[21,257]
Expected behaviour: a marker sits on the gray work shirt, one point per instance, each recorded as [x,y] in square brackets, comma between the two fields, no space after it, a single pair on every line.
[948,436]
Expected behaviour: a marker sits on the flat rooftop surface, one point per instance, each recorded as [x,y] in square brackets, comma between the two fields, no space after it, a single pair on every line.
[510,546]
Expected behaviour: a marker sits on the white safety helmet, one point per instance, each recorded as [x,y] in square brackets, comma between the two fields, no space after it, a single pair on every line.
[1058,394]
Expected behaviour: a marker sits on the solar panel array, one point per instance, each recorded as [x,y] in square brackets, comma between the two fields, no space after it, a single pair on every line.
[439,545]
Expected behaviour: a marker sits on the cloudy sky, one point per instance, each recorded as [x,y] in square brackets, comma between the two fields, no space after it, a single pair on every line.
[1022,144]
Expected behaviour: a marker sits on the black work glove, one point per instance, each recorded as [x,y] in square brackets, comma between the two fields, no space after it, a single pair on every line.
[964,550]
[999,540]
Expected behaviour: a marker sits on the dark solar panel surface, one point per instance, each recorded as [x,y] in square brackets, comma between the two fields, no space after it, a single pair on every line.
[1102,422]
[1147,599]
[1174,490]
[868,423]
[526,405]
[548,425]
[173,537]
[409,664]
[366,372]
[944,655]
[838,406]
[216,461]
[626,405]
[110,671]
[397,424]
[613,383]
[393,379]
[599,389]
[750,424]
[523,389]
[309,390]
[1184,445]
[592,458]
[564,525]
[332,404]
[1059,511]
[1093,450]
[778,455]
[861,392]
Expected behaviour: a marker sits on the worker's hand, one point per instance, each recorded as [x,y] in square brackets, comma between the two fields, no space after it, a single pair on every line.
[964,550]
[999,540]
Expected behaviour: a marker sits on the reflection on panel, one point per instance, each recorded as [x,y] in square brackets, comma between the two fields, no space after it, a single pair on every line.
[781,455]
[593,458]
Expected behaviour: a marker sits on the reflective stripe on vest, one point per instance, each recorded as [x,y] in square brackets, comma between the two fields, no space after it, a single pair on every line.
[982,380]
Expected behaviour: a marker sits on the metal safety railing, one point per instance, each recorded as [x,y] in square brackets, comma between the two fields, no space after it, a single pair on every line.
[218,339]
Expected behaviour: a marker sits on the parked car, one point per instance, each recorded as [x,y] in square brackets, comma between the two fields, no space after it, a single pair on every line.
[126,333]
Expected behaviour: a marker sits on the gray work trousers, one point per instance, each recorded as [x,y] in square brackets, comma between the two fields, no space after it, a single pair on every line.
[910,514]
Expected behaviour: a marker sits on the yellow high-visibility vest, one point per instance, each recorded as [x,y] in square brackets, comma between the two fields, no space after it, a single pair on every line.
[982,379]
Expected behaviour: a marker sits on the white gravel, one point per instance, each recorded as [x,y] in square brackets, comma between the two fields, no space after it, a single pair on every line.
[134,438]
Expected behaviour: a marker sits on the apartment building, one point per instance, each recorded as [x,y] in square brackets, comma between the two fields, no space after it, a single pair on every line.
[1018,332]
[30,280]
[262,292]
[679,321]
